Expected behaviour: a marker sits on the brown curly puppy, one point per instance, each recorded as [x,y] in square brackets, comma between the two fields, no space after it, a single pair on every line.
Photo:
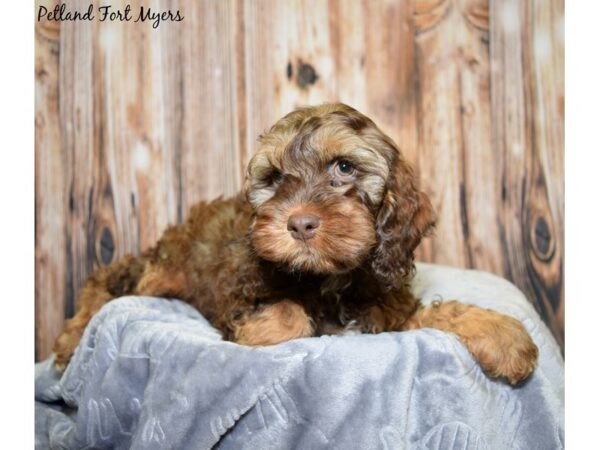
[322,239]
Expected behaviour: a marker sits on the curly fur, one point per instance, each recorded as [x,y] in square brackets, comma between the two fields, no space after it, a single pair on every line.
[236,261]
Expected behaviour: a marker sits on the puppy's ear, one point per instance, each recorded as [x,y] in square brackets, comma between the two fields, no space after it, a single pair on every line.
[405,216]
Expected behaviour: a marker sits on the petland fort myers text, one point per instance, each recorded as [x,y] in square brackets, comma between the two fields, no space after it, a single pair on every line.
[109,13]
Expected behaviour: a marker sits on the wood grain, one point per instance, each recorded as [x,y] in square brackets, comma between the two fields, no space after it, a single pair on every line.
[531,224]
[50,190]
[135,124]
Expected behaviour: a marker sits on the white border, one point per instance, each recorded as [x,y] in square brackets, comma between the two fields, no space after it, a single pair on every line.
[17,222]
[582,204]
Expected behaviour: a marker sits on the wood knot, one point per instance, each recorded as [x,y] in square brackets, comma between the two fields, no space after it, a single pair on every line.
[543,243]
[107,246]
[307,75]
[428,13]
[48,30]
[477,14]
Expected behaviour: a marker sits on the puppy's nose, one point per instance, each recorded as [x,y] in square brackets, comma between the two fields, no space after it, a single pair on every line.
[303,226]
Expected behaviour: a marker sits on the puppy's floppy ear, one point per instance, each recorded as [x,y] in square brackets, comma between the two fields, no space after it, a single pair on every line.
[405,216]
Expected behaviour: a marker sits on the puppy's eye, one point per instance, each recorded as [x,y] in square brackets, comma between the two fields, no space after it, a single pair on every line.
[270,178]
[344,169]
[275,176]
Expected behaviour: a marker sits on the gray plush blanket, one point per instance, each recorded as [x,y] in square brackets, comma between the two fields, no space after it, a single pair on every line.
[152,373]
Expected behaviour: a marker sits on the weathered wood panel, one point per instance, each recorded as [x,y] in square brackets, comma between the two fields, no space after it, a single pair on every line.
[50,205]
[135,124]
[532,232]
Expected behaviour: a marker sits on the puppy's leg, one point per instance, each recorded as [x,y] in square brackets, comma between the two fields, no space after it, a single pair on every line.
[102,286]
[500,343]
[273,324]
[91,299]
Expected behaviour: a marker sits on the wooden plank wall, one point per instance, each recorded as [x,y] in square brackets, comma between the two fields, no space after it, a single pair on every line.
[134,124]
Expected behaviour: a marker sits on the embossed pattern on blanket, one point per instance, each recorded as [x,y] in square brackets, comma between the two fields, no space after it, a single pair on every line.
[152,373]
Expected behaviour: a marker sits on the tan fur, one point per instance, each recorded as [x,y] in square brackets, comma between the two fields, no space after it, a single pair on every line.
[235,261]
[162,282]
[274,324]
[500,343]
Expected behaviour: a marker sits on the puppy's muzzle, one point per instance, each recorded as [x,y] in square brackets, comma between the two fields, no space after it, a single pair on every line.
[303,226]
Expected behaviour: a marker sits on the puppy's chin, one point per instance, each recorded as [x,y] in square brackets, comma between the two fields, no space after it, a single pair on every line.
[341,243]
[297,256]
[304,258]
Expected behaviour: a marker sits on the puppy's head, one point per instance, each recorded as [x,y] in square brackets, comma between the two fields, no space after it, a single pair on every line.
[331,192]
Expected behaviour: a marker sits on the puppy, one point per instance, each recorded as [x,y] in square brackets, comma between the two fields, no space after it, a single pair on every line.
[322,238]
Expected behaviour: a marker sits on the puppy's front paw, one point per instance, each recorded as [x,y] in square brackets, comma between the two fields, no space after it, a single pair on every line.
[504,349]
[65,345]
[274,324]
